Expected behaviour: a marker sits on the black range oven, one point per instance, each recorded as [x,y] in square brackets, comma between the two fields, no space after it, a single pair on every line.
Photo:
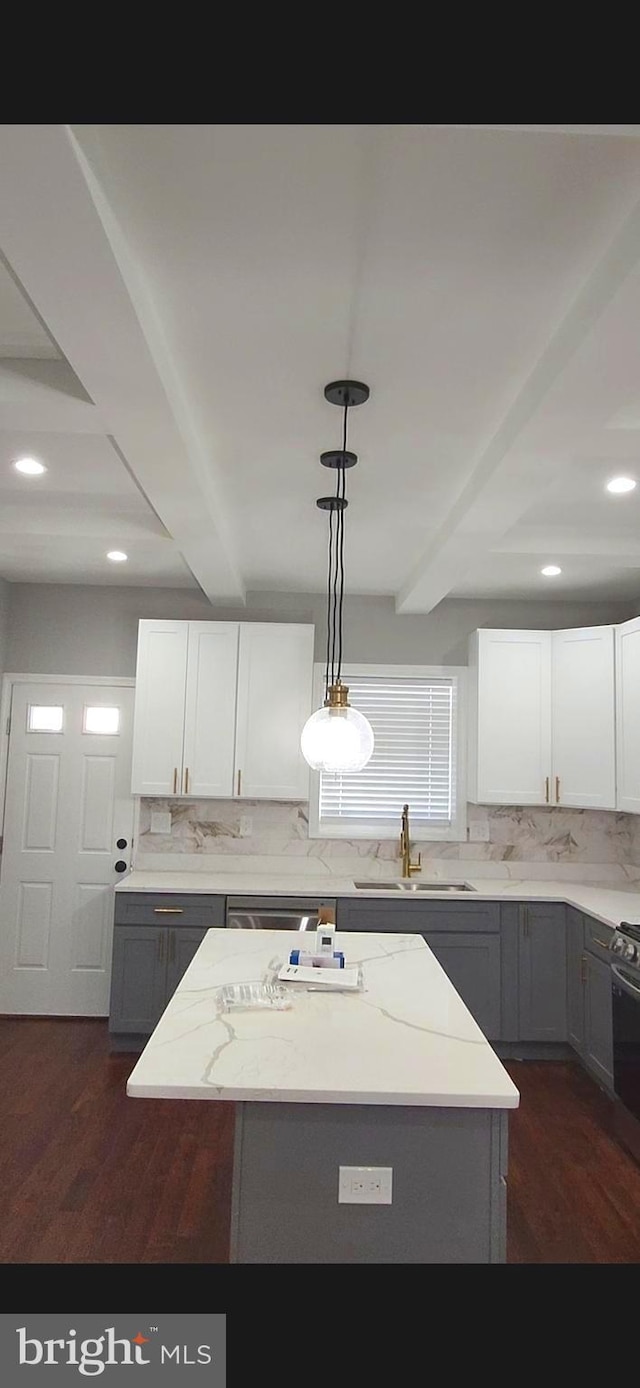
[625,990]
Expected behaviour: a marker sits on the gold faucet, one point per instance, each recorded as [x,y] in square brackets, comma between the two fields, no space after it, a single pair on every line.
[405,847]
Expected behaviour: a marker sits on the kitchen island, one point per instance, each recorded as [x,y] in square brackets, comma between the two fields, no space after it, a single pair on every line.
[397,1075]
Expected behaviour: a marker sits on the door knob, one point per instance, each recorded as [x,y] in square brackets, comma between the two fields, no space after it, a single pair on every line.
[121,843]
[120,866]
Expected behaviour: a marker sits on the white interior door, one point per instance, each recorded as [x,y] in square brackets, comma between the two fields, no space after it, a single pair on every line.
[68,803]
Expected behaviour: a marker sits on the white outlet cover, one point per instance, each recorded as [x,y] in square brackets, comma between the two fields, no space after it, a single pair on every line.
[478,831]
[246,826]
[160,822]
[365,1185]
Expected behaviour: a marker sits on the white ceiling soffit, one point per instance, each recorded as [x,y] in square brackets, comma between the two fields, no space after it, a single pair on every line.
[63,244]
[205,282]
[21,332]
[439,265]
[557,424]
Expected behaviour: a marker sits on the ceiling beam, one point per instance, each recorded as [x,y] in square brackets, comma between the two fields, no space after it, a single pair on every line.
[64,245]
[497,494]
[45,396]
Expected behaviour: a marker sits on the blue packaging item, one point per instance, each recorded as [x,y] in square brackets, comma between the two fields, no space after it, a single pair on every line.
[308,960]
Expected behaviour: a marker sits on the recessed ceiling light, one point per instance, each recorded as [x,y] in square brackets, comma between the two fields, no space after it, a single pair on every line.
[117,556]
[29,466]
[621,484]
[551,571]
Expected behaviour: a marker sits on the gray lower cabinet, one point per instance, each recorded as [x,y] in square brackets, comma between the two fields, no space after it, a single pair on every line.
[575,979]
[598,1025]
[472,963]
[417,916]
[589,994]
[138,977]
[542,973]
[155,937]
[148,963]
[464,936]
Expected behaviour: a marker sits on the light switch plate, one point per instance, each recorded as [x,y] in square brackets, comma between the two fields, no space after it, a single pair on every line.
[365,1185]
[160,822]
[478,831]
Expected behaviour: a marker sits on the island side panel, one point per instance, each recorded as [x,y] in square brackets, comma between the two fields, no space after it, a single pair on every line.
[449,1193]
[499,1164]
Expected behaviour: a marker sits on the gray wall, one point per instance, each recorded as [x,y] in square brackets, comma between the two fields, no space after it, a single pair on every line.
[87,630]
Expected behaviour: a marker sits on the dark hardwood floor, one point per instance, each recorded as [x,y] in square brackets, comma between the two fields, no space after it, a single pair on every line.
[573,1190]
[89,1176]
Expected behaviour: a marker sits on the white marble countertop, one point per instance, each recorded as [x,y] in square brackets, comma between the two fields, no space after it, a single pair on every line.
[605,903]
[406,1039]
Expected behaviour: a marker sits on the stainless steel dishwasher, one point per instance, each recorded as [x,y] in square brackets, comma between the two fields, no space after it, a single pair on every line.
[275,912]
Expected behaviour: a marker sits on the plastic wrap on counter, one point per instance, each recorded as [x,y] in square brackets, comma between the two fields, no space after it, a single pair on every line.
[251,997]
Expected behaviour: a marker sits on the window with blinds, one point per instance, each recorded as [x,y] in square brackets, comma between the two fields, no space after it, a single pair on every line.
[414,759]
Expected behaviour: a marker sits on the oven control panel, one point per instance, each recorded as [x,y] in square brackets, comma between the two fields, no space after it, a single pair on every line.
[624,948]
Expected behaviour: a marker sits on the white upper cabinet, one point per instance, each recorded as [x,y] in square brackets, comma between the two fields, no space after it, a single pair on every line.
[628,715]
[542,729]
[583,729]
[510,717]
[158,724]
[210,714]
[219,709]
[275,673]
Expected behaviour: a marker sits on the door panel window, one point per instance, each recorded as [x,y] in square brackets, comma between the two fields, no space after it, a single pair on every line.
[101,719]
[45,718]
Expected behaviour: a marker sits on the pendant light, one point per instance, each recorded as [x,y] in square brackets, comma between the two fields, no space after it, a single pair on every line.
[337,738]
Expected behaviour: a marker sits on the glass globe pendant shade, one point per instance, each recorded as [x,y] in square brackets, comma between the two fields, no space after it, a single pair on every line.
[337,737]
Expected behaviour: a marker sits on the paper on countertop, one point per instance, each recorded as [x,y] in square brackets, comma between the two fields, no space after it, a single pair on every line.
[330,980]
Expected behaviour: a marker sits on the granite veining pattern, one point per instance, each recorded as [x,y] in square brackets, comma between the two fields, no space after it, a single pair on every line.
[211,828]
[407,1038]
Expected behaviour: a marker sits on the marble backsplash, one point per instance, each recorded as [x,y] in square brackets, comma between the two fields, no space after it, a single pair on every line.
[204,829]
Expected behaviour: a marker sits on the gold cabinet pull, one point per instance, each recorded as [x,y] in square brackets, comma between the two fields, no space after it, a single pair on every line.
[546,789]
[186,781]
[603,943]
[557,790]
[239,782]
[175,780]
[168,910]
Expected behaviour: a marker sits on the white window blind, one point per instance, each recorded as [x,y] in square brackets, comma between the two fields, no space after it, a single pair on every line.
[413,721]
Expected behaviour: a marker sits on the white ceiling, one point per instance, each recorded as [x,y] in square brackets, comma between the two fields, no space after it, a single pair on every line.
[21,332]
[191,289]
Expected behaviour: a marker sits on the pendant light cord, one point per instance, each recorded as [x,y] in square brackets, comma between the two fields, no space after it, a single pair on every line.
[335,580]
[334,592]
[342,482]
[329,660]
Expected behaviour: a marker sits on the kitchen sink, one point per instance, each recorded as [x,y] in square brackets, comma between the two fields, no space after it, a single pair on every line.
[414,886]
